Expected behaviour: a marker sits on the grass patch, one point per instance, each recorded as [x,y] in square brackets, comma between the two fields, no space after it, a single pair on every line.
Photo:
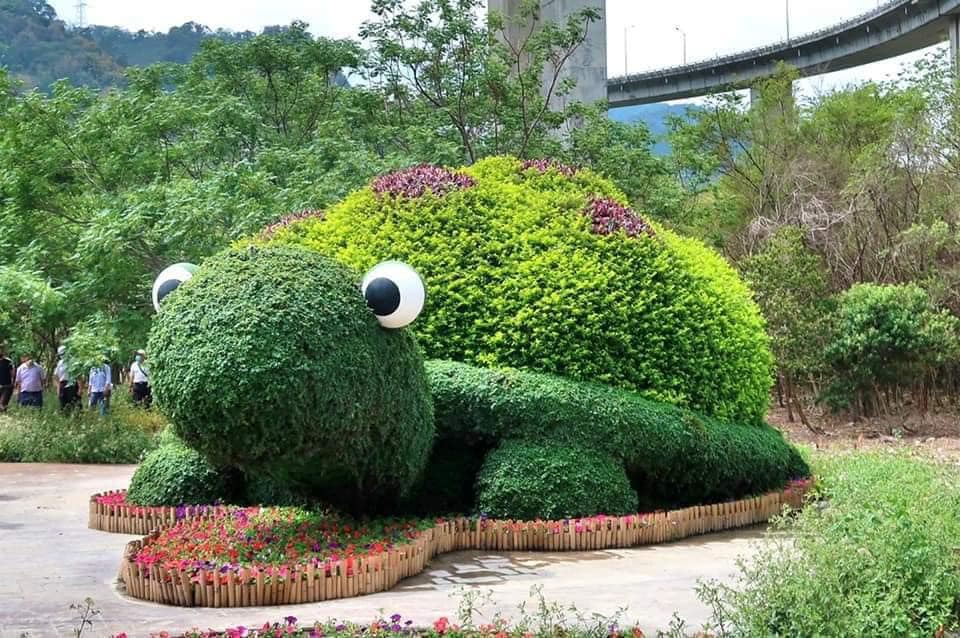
[49,436]
[877,556]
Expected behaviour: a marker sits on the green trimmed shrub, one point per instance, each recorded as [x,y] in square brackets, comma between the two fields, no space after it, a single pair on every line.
[672,456]
[269,358]
[544,268]
[528,480]
[174,474]
[885,334]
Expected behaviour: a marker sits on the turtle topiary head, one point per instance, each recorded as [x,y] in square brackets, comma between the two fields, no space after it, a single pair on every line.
[271,360]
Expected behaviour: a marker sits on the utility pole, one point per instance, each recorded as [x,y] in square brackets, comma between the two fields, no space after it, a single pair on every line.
[683,44]
[787,8]
[626,62]
[81,16]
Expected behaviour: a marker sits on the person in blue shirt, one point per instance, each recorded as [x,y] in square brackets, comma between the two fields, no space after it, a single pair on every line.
[101,386]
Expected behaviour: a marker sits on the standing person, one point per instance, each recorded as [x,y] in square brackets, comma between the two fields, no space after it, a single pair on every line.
[140,380]
[101,385]
[29,383]
[7,371]
[68,387]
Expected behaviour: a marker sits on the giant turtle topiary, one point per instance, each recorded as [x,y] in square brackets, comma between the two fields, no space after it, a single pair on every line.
[644,362]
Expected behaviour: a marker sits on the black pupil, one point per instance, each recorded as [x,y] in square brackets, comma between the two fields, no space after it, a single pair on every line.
[383,296]
[166,288]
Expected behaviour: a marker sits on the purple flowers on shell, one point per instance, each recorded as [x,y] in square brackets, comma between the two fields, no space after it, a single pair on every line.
[416,180]
[544,165]
[609,216]
[288,221]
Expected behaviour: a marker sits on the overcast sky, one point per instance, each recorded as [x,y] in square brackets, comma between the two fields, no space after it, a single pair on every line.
[712,26]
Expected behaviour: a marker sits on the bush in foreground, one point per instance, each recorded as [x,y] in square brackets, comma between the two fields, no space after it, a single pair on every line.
[544,267]
[673,457]
[878,557]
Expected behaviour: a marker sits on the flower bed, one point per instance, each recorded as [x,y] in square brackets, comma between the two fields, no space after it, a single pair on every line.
[251,557]
[110,512]
[396,625]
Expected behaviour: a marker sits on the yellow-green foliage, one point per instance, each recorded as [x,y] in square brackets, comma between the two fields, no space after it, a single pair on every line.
[516,277]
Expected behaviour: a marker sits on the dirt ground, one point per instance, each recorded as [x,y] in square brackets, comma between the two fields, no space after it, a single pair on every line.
[937,435]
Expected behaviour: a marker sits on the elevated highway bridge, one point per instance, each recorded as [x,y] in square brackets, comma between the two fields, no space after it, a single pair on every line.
[893,28]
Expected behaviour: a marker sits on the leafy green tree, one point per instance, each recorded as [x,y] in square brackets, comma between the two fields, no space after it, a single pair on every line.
[791,286]
[440,74]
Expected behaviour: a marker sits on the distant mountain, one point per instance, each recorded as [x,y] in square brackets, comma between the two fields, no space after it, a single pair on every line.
[39,48]
[655,117]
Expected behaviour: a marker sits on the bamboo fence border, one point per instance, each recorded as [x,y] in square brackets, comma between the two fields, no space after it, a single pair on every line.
[360,575]
[140,519]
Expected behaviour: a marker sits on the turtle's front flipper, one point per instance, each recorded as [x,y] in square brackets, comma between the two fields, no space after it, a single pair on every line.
[525,479]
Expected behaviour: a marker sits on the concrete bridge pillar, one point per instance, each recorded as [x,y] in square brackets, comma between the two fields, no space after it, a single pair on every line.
[587,66]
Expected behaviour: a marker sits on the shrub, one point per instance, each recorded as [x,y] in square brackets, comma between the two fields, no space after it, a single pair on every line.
[879,558]
[673,456]
[543,267]
[885,334]
[174,474]
[47,436]
[269,358]
[527,480]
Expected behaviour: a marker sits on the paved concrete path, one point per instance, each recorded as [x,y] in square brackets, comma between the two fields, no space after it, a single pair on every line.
[49,559]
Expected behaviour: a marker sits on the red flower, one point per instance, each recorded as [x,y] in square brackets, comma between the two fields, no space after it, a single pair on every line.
[441,624]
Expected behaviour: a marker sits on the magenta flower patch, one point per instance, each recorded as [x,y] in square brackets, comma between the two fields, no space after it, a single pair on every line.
[610,216]
[416,180]
[544,165]
[288,221]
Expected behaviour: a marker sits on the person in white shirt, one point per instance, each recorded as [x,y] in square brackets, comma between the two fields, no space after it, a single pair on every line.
[29,383]
[101,385]
[68,387]
[140,380]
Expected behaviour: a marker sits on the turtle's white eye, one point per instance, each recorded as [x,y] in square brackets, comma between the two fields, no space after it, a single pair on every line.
[395,293]
[168,281]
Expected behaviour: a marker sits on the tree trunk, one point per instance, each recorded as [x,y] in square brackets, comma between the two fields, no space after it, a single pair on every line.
[788,391]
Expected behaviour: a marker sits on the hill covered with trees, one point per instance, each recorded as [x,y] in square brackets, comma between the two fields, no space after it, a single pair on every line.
[39,48]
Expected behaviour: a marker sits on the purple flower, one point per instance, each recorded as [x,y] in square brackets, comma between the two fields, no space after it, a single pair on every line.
[416,180]
[544,165]
[395,627]
[341,627]
[610,216]
[180,513]
[291,620]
